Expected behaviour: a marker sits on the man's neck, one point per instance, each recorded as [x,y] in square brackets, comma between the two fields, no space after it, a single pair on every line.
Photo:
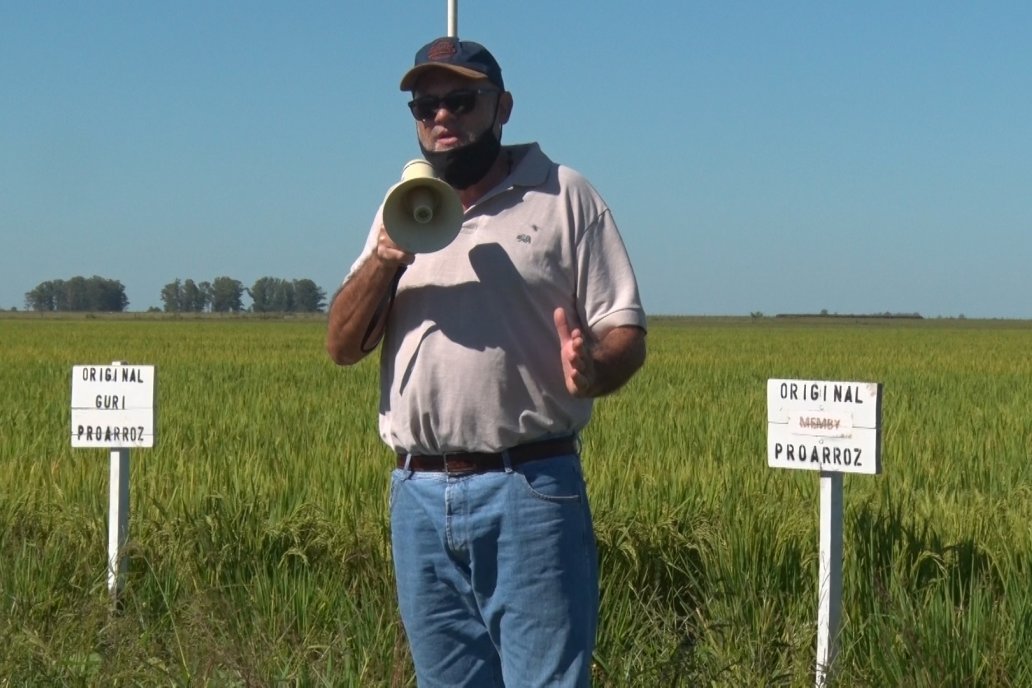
[499,171]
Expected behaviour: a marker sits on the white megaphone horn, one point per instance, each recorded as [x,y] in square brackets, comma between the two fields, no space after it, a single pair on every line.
[421,213]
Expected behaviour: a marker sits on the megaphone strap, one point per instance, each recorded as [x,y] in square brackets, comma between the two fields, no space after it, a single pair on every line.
[380,314]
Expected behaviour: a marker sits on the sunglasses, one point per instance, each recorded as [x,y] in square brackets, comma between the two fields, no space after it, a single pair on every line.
[457,102]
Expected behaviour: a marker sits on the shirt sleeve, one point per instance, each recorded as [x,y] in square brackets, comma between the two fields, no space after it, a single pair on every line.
[368,248]
[607,290]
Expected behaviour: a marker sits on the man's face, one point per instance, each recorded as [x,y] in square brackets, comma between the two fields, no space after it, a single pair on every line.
[444,129]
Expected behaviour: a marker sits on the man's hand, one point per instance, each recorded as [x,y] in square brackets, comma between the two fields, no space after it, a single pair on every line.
[578,366]
[593,367]
[389,252]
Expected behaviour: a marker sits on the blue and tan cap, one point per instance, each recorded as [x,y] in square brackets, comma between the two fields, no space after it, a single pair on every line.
[466,58]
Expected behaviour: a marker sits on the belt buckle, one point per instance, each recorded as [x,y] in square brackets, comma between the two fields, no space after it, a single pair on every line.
[468,468]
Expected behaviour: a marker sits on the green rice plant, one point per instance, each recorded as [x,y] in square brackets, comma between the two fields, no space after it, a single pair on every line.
[259,545]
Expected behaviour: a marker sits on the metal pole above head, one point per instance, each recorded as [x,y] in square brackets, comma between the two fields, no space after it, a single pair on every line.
[453,18]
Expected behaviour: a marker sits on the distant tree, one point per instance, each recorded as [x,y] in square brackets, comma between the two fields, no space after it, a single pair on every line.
[263,294]
[61,302]
[206,289]
[105,295]
[276,295]
[308,298]
[42,298]
[186,296]
[76,297]
[283,297]
[172,296]
[272,295]
[194,298]
[78,294]
[227,295]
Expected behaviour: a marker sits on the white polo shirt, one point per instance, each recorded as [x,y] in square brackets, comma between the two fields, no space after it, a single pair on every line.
[471,358]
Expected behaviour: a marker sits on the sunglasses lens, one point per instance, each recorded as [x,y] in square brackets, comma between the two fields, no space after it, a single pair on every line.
[425,107]
[460,102]
[456,102]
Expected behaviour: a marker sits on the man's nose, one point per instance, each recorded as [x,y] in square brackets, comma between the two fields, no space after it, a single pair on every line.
[442,114]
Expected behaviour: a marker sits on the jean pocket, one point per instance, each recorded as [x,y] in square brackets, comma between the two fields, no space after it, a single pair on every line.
[396,479]
[554,480]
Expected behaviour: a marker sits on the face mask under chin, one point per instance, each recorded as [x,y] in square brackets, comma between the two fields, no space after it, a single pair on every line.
[465,166]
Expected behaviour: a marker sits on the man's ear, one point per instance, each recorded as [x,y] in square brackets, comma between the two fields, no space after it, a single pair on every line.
[504,107]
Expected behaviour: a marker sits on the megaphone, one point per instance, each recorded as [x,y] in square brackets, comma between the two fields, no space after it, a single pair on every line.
[421,213]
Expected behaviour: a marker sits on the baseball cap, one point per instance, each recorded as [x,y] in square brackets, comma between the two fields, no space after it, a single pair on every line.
[462,57]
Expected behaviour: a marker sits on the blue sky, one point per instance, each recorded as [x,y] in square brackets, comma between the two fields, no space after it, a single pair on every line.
[758,156]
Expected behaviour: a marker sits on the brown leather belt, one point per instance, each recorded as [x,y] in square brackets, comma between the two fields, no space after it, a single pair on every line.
[483,462]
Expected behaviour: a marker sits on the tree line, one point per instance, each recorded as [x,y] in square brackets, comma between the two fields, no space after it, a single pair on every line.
[221,295]
[78,294]
[225,295]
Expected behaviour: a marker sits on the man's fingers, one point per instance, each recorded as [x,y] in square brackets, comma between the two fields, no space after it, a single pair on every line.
[390,252]
[561,325]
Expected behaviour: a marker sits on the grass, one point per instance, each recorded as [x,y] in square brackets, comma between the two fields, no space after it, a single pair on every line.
[259,550]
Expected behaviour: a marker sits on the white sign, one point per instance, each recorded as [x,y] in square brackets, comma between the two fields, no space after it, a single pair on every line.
[824,426]
[113,406]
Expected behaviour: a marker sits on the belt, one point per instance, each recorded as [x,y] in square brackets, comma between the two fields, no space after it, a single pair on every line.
[483,462]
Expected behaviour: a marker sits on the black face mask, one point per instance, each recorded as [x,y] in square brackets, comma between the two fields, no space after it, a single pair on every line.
[465,166]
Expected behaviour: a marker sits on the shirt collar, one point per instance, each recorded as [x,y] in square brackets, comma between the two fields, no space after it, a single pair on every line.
[529,165]
[529,168]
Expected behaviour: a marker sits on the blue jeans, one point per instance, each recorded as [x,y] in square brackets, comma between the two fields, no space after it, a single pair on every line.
[497,575]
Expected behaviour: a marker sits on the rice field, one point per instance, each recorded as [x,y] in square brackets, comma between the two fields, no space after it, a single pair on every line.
[259,554]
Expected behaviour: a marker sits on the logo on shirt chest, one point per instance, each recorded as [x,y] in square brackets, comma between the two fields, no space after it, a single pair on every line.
[525,238]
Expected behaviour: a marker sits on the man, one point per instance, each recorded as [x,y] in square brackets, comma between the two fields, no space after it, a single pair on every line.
[493,348]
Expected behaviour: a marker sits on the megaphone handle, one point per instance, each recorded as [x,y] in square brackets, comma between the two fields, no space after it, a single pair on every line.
[380,314]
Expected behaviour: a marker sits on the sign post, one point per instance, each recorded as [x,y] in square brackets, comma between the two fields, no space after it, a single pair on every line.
[829,575]
[113,408]
[832,428]
[118,518]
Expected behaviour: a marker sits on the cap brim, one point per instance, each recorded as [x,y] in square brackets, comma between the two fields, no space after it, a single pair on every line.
[408,82]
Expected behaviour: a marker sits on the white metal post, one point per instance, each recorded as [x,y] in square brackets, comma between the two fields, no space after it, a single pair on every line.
[118,515]
[118,518]
[830,577]
[453,18]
